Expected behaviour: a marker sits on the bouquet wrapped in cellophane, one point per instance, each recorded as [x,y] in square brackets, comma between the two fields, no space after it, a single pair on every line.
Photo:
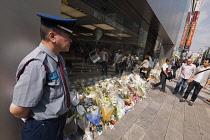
[108,100]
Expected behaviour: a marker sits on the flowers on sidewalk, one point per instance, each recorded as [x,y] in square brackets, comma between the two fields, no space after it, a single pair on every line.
[106,102]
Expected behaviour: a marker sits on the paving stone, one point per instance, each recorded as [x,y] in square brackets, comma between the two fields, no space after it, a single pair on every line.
[160,98]
[176,124]
[113,134]
[154,134]
[158,129]
[190,113]
[204,128]
[174,130]
[102,137]
[208,111]
[179,106]
[189,135]
[178,116]
[128,119]
[202,114]
[198,102]
[173,135]
[152,93]
[134,133]
[205,137]
[155,105]
[191,126]
[146,118]
[165,111]
[144,103]
[120,128]
[159,126]
[138,110]
[169,100]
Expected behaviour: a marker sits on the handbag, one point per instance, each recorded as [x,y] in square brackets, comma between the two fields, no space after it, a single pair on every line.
[170,76]
[143,70]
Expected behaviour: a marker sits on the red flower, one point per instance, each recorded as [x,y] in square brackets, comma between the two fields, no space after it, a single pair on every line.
[112,122]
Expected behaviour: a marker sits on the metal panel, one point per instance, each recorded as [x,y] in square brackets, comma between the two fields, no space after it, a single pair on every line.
[170,14]
[19,35]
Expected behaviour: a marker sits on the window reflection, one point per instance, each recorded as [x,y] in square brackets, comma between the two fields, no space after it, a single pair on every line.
[116,30]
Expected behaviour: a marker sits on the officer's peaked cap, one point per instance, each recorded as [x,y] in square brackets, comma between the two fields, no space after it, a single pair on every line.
[66,24]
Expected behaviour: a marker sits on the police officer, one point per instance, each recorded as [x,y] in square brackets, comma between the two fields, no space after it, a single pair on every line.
[41,94]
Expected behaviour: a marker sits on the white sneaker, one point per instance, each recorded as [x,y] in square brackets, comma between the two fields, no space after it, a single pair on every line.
[190,103]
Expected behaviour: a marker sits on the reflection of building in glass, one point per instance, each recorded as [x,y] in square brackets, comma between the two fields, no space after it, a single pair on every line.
[135,27]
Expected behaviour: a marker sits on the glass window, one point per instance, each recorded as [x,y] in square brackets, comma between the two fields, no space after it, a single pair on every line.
[101,27]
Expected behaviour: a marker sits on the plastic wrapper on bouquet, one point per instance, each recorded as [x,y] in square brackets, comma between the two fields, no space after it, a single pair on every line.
[103,104]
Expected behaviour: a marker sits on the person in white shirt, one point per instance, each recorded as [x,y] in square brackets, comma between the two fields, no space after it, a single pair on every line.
[185,71]
[163,76]
[118,60]
[197,81]
[144,67]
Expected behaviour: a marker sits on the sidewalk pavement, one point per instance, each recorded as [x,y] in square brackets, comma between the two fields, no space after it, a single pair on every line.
[162,117]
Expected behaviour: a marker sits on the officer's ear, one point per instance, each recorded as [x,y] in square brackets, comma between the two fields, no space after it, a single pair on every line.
[52,36]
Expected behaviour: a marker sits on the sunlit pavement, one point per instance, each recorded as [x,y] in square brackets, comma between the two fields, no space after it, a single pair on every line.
[162,117]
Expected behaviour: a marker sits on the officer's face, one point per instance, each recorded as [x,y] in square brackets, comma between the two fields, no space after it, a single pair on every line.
[64,41]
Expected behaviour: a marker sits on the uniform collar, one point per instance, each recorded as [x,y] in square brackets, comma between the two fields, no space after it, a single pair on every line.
[48,52]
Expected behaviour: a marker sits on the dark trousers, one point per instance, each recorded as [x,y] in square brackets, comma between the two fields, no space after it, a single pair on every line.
[117,68]
[196,91]
[162,81]
[51,129]
[104,67]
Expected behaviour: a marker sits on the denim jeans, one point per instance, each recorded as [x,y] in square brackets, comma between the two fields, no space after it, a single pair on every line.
[181,82]
[196,91]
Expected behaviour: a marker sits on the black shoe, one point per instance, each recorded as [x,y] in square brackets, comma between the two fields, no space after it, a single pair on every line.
[174,92]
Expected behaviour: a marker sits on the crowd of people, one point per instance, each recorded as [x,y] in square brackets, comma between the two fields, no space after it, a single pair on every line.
[189,77]
[123,62]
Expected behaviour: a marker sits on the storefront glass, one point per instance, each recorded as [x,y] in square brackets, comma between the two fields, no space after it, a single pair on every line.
[100,25]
